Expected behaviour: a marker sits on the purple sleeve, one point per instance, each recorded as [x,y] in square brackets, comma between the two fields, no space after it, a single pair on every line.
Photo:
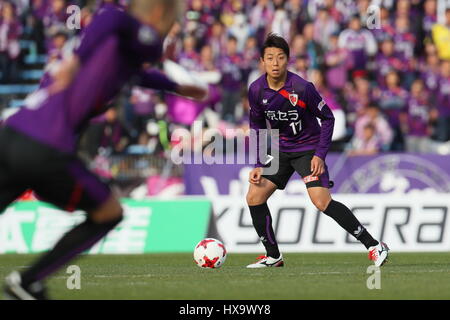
[320,109]
[155,79]
[109,21]
[257,121]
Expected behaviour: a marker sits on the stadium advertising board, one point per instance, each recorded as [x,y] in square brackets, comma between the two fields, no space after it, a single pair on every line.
[412,223]
[149,226]
[402,199]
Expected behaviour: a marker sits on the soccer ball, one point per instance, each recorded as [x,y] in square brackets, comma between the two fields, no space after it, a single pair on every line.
[210,253]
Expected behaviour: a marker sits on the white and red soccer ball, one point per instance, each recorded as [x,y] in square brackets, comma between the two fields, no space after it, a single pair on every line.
[210,253]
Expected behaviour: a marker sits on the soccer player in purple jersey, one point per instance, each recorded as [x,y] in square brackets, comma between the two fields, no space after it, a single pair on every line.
[292,105]
[38,144]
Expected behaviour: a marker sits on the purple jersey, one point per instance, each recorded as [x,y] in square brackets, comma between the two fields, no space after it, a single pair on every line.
[418,116]
[443,97]
[112,51]
[393,103]
[404,44]
[388,63]
[231,72]
[293,110]
[430,78]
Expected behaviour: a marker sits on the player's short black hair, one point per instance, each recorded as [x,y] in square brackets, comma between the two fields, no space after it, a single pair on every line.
[275,41]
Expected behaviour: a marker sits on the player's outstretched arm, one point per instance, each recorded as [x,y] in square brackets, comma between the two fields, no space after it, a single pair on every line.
[155,79]
[191,91]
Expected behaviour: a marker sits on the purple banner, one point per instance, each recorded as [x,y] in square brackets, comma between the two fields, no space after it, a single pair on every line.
[385,173]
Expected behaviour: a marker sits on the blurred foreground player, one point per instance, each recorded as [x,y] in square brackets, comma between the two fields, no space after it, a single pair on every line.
[292,105]
[38,144]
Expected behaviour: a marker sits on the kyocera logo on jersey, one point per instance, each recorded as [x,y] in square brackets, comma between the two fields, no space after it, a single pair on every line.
[310,179]
[146,35]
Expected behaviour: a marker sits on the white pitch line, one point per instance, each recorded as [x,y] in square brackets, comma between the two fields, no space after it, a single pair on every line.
[289,274]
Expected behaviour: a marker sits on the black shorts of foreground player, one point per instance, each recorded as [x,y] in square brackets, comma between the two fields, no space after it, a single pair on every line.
[292,105]
[38,143]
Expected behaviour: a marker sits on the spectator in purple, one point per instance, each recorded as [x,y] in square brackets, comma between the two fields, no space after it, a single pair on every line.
[338,62]
[409,10]
[298,47]
[363,10]
[10,31]
[298,15]
[217,39]
[372,115]
[337,10]
[211,75]
[34,22]
[319,81]
[198,18]
[54,58]
[442,94]
[261,16]
[56,13]
[189,57]
[341,10]
[358,96]
[404,39]
[313,49]
[393,101]
[250,56]
[324,27]
[55,18]
[386,29]
[143,101]
[360,42]
[367,144]
[281,24]
[40,8]
[301,66]
[230,64]
[59,39]
[240,29]
[388,59]
[416,121]
[430,71]
[430,17]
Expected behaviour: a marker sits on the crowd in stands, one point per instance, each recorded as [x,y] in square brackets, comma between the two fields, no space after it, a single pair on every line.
[383,67]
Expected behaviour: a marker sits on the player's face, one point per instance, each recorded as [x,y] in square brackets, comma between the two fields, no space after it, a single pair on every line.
[275,62]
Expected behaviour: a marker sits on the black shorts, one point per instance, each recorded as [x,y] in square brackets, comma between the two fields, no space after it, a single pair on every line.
[301,163]
[56,177]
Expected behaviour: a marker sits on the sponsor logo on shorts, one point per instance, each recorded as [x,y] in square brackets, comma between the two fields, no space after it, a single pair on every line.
[310,178]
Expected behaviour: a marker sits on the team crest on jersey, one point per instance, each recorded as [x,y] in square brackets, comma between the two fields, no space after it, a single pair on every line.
[293,98]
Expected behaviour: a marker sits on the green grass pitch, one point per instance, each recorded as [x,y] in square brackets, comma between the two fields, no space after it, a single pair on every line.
[305,276]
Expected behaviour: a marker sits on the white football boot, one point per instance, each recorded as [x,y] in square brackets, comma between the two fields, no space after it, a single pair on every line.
[14,290]
[264,262]
[379,254]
